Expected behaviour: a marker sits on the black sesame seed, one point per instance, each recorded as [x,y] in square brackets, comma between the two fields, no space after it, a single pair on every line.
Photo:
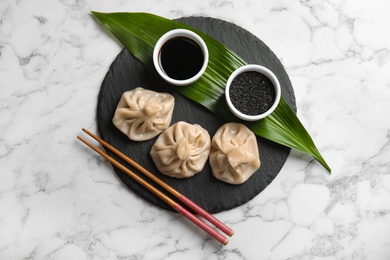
[252,93]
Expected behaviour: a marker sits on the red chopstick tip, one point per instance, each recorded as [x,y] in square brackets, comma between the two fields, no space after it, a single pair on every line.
[225,229]
[225,242]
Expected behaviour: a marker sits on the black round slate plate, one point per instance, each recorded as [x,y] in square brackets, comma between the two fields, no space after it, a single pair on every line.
[213,195]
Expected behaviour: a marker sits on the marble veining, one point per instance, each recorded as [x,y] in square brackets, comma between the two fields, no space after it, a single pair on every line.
[58,200]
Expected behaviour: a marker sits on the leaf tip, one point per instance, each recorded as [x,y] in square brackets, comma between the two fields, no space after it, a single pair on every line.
[96,14]
[326,166]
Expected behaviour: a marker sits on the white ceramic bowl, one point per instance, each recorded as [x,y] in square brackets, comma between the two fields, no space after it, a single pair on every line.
[173,34]
[263,70]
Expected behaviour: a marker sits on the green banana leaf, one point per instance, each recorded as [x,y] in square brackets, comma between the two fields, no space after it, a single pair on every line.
[139,32]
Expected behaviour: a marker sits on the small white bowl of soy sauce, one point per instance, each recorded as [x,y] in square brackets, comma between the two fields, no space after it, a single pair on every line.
[252,92]
[180,57]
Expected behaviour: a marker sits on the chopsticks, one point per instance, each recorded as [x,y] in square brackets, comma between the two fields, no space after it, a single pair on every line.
[218,224]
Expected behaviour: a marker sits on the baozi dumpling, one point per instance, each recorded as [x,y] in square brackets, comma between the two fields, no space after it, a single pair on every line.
[142,114]
[182,150]
[234,154]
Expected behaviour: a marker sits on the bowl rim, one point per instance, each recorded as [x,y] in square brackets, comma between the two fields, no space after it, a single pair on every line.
[179,33]
[266,72]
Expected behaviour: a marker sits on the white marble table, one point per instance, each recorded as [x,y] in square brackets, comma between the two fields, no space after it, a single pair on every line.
[58,200]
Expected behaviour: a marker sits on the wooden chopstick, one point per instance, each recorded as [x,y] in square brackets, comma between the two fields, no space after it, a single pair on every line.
[218,224]
[160,195]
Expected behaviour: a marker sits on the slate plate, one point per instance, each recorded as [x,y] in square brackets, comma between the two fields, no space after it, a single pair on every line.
[213,195]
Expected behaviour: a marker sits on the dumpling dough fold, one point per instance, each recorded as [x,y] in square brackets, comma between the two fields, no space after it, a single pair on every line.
[142,114]
[181,150]
[234,155]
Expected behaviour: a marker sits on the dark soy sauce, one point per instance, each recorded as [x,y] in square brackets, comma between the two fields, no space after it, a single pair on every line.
[181,58]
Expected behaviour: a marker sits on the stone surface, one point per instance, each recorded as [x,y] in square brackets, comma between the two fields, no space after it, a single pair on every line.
[213,195]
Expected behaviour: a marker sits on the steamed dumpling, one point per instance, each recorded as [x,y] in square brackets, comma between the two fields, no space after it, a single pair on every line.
[182,150]
[142,114]
[234,155]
